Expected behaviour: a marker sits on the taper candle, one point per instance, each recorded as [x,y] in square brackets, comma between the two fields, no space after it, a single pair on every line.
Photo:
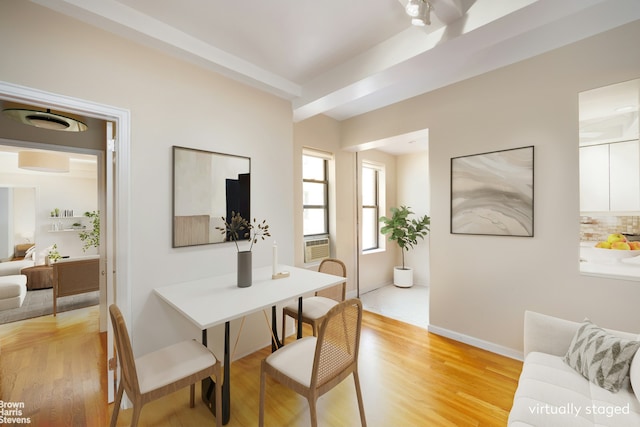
[275,258]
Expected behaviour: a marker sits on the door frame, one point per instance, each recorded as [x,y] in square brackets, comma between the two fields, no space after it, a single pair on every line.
[118,289]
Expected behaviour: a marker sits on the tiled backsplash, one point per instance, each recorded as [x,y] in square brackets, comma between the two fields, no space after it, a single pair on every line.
[596,228]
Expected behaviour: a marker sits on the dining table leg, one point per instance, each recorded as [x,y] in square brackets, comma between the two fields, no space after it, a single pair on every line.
[276,343]
[208,385]
[299,317]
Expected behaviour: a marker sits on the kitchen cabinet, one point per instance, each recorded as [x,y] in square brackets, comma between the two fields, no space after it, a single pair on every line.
[594,178]
[610,177]
[624,176]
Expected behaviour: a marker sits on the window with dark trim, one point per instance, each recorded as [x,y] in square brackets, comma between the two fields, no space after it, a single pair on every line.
[315,195]
[370,207]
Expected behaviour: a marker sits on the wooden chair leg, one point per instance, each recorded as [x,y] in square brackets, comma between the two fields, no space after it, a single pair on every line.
[313,412]
[192,396]
[135,417]
[263,383]
[356,379]
[116,405]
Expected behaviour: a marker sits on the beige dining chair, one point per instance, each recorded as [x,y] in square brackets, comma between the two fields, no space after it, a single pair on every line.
[161,372]
[312,366]
[315,308]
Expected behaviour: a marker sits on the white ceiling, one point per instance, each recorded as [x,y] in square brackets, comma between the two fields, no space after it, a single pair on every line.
[344,58]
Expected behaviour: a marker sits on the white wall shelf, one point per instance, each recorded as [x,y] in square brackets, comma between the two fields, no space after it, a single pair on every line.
[61,224]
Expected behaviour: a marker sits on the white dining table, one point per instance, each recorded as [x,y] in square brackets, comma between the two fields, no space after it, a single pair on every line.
[216,300]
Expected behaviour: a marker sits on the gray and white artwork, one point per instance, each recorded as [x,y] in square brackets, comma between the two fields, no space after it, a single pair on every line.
[492,193]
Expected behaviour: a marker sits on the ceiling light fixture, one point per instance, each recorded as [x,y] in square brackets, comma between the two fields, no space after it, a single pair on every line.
[626,109]
[43,161]
[420,12]
[45,120]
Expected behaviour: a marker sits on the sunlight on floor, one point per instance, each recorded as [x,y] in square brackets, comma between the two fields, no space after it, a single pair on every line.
[409,305]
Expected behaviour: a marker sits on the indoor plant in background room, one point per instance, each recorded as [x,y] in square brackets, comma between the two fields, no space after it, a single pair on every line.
[405,232]
[241,229]
[91,237]
[52,255]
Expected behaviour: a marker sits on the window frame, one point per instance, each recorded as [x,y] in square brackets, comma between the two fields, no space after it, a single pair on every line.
[378,174]
[325,183]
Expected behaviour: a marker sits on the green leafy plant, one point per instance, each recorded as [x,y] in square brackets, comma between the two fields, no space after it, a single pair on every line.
[53,253]
[239,228]
[91,237]
[404,230]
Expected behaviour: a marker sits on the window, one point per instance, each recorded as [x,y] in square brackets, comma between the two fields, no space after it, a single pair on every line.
[371,183]
[315,194]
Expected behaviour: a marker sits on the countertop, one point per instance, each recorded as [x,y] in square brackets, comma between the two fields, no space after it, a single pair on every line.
[613,268]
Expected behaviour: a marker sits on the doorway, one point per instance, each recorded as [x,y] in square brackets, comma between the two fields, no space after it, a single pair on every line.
[402,164]
[116,221]
[45,214]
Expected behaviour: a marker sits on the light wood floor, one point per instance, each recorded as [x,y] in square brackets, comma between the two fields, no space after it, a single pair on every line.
[409,378]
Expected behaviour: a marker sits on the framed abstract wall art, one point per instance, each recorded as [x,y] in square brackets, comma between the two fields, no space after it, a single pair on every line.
[492,193]
[206,187]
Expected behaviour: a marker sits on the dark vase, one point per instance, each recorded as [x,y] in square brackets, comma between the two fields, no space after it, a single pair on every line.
[244,269]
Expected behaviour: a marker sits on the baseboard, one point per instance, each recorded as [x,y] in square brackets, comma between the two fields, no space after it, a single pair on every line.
[485,345]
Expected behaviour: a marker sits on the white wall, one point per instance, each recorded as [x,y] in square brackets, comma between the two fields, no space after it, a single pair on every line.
[481,285]
[413,189]
[6,223]
[323,133]
[407,182]
[376,267]
[52,190]
[171,103]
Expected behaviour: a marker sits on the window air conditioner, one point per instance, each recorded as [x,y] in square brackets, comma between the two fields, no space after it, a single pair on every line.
[316,249]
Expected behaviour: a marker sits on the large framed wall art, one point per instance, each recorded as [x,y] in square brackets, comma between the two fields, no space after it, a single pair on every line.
[206,187]
[492,193]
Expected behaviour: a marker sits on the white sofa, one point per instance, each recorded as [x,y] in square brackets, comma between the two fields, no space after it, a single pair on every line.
[13,290]
[551,393]
[12,268]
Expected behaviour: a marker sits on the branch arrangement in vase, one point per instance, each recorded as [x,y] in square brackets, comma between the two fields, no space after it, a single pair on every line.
[239,228]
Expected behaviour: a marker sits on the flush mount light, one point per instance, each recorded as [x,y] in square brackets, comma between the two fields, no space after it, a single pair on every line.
[626,109]
[43,161]
[45,120]
[419,11]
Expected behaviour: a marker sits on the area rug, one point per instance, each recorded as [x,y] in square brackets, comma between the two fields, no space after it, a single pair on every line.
[40,303]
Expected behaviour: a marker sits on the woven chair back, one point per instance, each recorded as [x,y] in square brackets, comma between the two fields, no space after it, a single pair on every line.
[125,353]
[337,268]
[338,342]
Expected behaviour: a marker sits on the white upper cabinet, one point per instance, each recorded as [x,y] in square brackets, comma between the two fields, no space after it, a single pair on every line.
[594,178]
[624,176]
[609,149]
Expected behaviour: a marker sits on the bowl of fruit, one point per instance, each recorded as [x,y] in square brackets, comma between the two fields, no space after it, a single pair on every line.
[612,250]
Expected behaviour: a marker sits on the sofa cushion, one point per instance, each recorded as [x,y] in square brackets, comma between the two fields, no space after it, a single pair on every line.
[12,286]
[550,393]
[600,356]
[634,374]
[13,268]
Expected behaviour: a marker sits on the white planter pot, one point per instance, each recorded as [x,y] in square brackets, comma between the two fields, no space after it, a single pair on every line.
[403,278]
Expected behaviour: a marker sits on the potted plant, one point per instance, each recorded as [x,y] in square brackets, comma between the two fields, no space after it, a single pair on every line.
[53,255]
[403,230]
[91,237]
[239,228]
